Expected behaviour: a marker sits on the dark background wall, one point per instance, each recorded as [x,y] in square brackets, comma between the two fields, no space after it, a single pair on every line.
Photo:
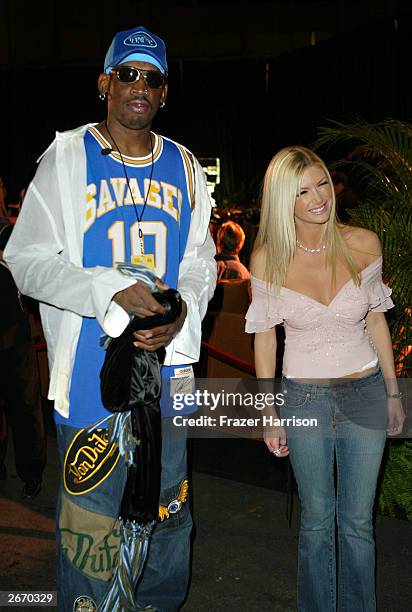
[245,77]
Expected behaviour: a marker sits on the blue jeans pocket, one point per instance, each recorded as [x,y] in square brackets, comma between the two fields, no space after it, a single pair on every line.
[369,408]
[295,398]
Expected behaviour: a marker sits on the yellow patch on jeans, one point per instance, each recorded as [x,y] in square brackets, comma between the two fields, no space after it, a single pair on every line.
[90,541]
[89,460]
[175,505]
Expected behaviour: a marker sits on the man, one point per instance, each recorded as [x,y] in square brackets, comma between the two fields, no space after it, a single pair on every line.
[103,194]
[3,193]
[20,405]
[230,240]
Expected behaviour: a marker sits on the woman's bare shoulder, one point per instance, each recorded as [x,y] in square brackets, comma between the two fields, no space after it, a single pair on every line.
[362,241]
[258,262]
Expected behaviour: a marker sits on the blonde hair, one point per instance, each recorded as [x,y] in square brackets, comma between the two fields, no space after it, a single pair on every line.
[277,232]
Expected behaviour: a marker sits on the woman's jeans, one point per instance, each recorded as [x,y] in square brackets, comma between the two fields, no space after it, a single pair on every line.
[351,430]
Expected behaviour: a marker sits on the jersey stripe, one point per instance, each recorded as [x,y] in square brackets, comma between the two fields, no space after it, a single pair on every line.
[130,161]
[189,171]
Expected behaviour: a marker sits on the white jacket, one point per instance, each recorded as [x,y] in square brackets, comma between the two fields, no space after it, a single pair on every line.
[45,256]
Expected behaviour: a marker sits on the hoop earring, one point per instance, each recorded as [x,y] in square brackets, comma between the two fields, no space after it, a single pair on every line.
[102,96]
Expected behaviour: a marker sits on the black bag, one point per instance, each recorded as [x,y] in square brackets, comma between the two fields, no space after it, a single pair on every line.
[130,380]
[129,376]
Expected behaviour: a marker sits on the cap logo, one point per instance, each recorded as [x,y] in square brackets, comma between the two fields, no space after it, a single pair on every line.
[141,39]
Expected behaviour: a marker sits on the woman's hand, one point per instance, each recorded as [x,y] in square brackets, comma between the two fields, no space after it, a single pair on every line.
[276,442]
[396,416]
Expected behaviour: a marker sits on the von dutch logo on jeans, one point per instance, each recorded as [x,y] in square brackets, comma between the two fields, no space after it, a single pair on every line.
[89,460]
[90,541]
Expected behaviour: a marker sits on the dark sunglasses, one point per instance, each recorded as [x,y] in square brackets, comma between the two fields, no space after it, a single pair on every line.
[152,78]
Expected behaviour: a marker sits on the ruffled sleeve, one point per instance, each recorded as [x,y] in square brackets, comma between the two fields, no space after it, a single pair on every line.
[265,310]
[379,298]
[378,293]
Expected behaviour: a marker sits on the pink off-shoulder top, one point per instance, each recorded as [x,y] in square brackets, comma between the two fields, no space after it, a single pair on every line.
[322,341]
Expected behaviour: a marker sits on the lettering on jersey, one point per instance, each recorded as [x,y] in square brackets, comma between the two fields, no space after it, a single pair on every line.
[90,206]
[133,190]
[170,196]
[106,202]
[154,197]
[118,186]
[105,197]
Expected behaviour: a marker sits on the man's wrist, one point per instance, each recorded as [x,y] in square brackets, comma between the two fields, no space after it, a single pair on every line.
[182,317]
[118,298]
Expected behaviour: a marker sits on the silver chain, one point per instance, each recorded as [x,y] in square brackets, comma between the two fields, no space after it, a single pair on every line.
[307,250]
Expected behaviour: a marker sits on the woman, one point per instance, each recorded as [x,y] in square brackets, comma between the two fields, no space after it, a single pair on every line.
[323,280]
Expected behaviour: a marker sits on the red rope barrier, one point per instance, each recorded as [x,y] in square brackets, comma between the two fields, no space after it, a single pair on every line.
[213,351]
[241,365]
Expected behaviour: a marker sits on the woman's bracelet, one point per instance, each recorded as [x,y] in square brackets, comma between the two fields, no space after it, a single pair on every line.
[394,395]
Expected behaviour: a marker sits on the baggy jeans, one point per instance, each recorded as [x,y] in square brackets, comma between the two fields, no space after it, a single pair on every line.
[87,526]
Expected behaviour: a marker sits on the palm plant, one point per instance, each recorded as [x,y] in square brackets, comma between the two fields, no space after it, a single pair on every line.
[382,154]
[382,157]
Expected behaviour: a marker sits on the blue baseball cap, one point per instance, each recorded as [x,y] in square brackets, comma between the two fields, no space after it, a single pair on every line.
[138,45]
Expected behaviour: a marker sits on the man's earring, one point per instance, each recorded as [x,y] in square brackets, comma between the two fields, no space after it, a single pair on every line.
[162,103]
[102,96]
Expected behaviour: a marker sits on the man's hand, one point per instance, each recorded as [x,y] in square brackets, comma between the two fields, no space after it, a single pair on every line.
[153,339]
[138,300]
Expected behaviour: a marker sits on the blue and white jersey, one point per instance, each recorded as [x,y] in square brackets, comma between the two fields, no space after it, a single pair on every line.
[111,236]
